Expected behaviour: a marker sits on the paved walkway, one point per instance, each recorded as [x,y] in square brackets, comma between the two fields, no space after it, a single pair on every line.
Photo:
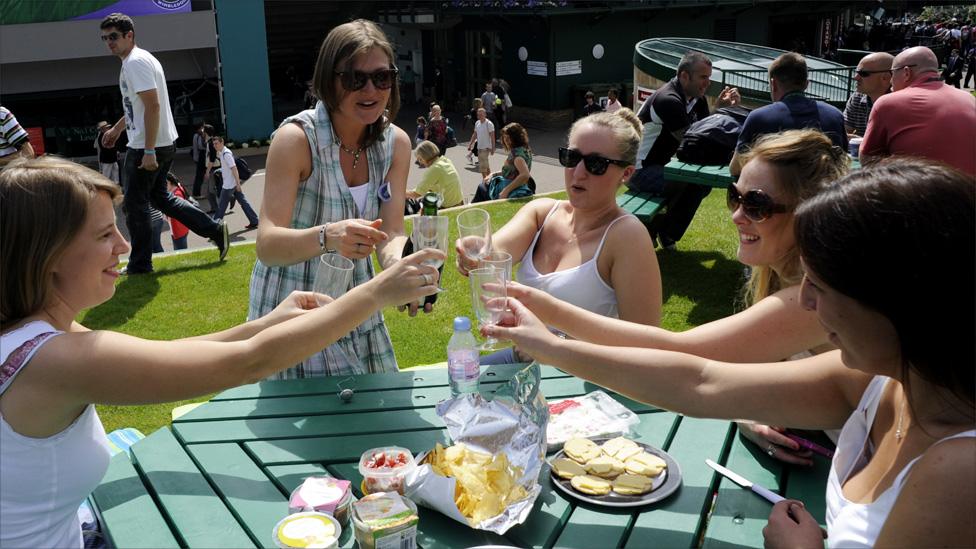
[545,170]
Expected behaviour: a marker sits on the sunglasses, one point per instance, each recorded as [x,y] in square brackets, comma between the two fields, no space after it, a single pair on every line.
[594,163]
[863,73]
[383,79]
[112,36]
[756,204]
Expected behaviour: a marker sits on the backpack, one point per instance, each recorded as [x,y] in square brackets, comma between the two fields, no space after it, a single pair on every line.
[243,169]
[710,141]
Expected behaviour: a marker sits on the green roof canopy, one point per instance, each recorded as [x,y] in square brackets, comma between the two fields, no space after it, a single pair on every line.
[741,65]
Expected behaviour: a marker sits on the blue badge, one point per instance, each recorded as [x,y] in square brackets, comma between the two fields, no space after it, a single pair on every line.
[383,192]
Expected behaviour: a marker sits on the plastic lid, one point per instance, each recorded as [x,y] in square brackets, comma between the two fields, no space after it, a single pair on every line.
[462,324]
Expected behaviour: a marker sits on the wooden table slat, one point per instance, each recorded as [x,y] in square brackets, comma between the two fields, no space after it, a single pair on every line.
[675,521]
[740,515]
[341,449]
[201,519]
[257,503]
[128,513]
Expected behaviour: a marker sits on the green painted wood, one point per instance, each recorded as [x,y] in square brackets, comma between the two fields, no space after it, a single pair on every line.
[435,531]
[547,519]
[392,400]
[199,517]
[711,176]
[256,503]
[128,514]
[739,514]
[810,485]
[340,449]
[623,200]
[370,382]
[642,205]
[676,521]
[594,526]
[239,430]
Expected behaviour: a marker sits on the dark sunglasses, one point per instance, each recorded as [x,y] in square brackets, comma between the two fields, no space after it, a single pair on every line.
[757,205]
[383,79]
[864,73]
[112,36]
[594,163]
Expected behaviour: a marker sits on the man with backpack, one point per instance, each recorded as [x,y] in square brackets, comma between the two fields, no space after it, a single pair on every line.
[232,177]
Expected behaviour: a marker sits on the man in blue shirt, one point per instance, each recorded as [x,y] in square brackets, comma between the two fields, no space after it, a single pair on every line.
[791,108]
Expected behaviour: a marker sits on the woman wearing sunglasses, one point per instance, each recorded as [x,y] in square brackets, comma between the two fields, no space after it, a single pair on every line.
[884,277]
[779,173]
[336,182]
[515,178]
[586,250]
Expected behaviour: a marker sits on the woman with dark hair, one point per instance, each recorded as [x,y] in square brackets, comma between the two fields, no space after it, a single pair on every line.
[515,178]
[336,182]
[57,262]
[881,253]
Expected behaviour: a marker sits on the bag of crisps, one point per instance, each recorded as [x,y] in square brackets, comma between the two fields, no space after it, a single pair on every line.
[489,478]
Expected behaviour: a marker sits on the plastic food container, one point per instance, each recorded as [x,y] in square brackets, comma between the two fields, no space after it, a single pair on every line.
[384,469]
[385,519]
[307,529]
[340,513]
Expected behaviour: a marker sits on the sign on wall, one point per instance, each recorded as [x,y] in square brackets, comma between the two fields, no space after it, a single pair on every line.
[537,68]
[565,68]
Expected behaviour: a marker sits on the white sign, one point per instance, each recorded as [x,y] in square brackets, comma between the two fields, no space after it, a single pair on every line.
[537,68]
[564,68]
[642,94]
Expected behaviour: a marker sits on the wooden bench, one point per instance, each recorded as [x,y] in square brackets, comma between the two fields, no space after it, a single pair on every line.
[645,206]
[642,205]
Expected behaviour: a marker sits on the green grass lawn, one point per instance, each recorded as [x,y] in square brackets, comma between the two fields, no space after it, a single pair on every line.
[193,294]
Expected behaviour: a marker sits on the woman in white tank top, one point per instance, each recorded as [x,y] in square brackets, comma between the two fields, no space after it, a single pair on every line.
[587,250]
[57,262]
[887,254]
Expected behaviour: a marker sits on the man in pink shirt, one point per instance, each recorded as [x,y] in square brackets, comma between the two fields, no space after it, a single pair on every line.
[923,116]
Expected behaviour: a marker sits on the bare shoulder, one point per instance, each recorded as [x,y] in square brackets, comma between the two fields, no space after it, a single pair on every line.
[955,455]
[631,231]
[288,136]
[400,137]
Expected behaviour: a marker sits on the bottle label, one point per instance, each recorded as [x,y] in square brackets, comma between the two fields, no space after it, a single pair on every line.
[463,365]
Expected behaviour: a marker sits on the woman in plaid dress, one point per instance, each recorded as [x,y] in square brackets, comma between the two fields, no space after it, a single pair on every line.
[336,181]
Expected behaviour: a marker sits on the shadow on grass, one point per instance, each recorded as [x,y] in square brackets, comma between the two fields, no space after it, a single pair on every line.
[131,295]
[708,279]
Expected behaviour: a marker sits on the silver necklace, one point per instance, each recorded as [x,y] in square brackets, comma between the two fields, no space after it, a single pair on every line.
[354,153]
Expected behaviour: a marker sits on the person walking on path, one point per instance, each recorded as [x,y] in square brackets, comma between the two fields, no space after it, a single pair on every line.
[483,138]
[148,122]
[231,187]
[199,152]
[108,157]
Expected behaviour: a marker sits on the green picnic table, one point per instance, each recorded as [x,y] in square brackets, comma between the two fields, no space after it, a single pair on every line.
[645,206]
[222,475]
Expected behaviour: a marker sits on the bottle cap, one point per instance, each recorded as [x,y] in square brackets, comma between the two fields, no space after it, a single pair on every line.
[462,324]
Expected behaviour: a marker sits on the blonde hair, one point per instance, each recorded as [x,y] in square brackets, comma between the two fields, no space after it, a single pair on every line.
[806,162]
[43,202]
[340,46]
[624,125]
[427,151]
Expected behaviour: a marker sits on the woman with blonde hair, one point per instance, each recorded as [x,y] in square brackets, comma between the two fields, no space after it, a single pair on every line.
[440,176]
[586,250]
[780,172]
[57,262]
[336,182]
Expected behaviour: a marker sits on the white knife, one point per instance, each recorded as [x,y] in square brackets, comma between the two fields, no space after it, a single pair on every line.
[770,496]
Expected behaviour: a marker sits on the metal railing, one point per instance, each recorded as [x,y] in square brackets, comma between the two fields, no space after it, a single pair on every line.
[832,85]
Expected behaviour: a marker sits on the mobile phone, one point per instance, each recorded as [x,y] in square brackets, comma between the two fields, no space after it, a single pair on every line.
[809,445]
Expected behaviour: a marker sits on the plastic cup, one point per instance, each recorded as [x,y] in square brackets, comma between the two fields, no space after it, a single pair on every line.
[307,529]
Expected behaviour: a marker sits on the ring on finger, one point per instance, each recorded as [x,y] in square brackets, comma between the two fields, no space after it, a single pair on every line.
[771,450]
[426,279]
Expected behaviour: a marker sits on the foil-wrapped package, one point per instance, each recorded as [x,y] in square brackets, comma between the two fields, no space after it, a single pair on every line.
[511,421]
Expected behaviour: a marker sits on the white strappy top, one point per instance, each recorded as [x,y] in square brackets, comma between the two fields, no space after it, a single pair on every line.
[582,285]
[859,524]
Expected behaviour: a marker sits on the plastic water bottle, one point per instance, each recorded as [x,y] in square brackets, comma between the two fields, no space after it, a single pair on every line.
[462,358]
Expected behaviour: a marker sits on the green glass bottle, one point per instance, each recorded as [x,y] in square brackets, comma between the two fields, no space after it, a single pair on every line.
[429,204]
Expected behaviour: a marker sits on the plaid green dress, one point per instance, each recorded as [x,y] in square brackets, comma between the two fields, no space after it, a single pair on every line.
[324,197]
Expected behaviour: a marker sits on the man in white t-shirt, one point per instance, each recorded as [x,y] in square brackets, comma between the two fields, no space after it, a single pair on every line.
[484,132]
[231,185]
[148,122]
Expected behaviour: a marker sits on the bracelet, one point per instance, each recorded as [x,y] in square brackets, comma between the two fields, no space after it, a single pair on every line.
[151,152]
[322,238]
